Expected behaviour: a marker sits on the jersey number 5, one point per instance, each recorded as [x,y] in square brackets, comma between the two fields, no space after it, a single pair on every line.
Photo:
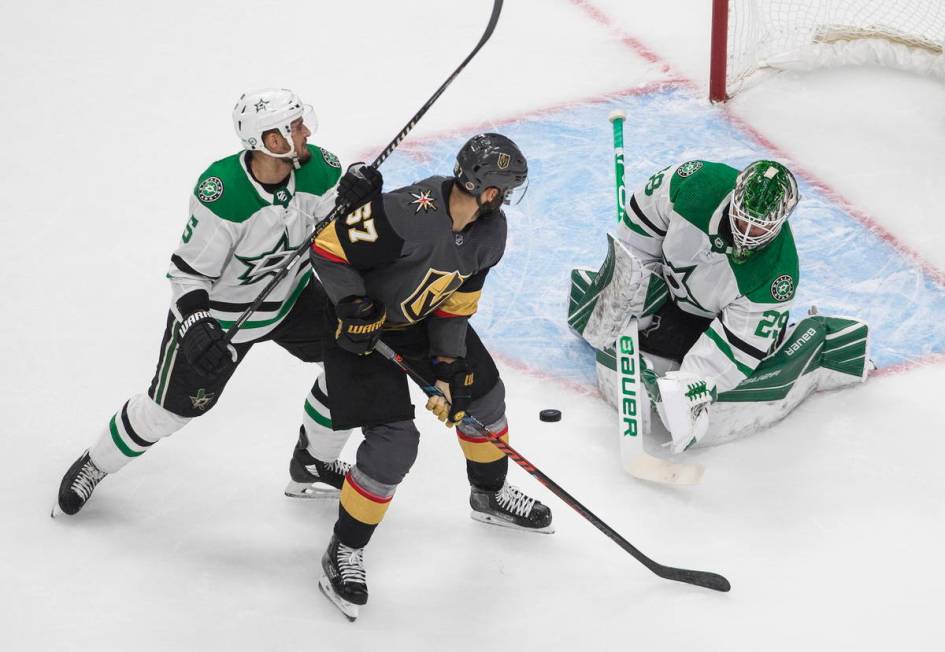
[361,218]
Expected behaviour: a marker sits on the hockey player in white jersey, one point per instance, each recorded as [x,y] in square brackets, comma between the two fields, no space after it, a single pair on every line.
[704,259]
[248,213]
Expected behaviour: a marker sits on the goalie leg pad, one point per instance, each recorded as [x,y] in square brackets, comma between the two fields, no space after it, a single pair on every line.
[624,287]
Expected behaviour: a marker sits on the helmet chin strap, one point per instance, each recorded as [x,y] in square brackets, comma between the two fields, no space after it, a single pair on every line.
[291,154]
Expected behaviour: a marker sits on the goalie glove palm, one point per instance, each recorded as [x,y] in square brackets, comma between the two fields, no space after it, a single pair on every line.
[684,408]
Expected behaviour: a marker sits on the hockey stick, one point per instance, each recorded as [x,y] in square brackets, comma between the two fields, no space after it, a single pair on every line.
[699,578]
[342,210]
[633,405]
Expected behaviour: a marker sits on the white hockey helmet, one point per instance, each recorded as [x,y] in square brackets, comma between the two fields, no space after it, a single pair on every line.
[262,110]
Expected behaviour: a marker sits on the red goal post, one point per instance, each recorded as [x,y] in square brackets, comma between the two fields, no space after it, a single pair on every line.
[750,37]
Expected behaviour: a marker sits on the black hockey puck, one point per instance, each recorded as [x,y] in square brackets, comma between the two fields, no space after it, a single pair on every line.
[550,415]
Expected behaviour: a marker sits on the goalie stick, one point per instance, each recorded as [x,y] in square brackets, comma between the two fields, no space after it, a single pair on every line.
[342,210]
[633,405]
[704,579]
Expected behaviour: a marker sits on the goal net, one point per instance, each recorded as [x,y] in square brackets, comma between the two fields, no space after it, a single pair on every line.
[753,35]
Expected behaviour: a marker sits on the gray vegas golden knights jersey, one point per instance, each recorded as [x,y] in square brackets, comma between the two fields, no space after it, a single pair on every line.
[680,220]
[400,249]
[239,233]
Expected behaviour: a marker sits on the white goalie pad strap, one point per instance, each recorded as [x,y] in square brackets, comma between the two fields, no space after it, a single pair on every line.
[622,298]
[684,408]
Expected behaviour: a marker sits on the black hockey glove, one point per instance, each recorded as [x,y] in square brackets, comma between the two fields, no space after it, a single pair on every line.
[359,185]
[203,345]
[459,377]
[359,324]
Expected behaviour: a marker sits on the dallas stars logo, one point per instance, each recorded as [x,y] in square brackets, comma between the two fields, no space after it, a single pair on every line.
[202,400]
[267,263]
[424,201]
[678,279]
[210,189]
[782,288]
[689,168]
[261,105]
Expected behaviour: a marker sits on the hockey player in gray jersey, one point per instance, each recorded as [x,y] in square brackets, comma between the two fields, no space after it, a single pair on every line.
[409,266]
[705,261]
[248,212]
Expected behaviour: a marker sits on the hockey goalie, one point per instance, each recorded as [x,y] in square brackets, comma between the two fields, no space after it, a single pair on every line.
[702,273]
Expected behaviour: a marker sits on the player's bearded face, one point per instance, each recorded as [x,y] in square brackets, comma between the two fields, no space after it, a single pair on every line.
[300,134]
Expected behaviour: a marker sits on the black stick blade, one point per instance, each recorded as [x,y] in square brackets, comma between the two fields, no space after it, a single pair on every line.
[704,579]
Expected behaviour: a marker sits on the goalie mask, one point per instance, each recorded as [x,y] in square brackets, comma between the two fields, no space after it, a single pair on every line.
[260,111]
[765,194]
[492,161]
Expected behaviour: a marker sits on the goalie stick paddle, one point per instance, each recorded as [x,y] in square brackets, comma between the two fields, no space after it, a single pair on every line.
[342,210]
[704,579]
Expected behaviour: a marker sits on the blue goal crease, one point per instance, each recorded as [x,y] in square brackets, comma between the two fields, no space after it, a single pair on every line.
[561,223]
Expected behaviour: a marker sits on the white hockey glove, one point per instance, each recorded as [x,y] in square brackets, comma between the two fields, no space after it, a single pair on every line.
[684,408]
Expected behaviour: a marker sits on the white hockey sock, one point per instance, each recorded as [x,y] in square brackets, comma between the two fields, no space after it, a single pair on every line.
[131,431]
[323,443]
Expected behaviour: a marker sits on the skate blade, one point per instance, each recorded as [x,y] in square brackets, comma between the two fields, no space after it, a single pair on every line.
[654,469]
[55,511]
[310,491]
[501,522]
[350,610]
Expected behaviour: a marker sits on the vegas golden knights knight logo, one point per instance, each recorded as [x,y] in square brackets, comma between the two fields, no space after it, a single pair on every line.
[434,289]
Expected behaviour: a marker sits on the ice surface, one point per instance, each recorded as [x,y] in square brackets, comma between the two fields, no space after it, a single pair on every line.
[829,526]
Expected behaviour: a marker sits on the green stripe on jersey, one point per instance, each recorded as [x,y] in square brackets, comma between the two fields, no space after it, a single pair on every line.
[286,307]
[727,350]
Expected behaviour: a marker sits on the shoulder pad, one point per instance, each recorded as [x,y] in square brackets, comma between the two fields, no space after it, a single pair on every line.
[771,276]
[320,173]
[224,189]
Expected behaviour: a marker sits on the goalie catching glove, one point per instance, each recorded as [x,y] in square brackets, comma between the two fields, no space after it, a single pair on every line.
[359,324]
[684,407]
[455,380]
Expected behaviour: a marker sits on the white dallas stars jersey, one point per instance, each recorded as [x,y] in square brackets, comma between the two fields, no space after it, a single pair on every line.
[238,234]
[680,218]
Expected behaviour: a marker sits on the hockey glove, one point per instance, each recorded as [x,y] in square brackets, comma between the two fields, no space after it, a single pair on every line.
[455,380]
[684,407]
[359,185]
[359,324]
[204,345]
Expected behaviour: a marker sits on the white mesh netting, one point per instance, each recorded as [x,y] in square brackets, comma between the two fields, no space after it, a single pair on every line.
[805,34]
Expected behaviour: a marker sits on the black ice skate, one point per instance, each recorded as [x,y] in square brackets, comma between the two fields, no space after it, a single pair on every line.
[344,581]
[311,477]
[77,485]
[509,507]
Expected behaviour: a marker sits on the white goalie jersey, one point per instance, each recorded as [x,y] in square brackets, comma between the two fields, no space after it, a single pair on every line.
[677,224]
